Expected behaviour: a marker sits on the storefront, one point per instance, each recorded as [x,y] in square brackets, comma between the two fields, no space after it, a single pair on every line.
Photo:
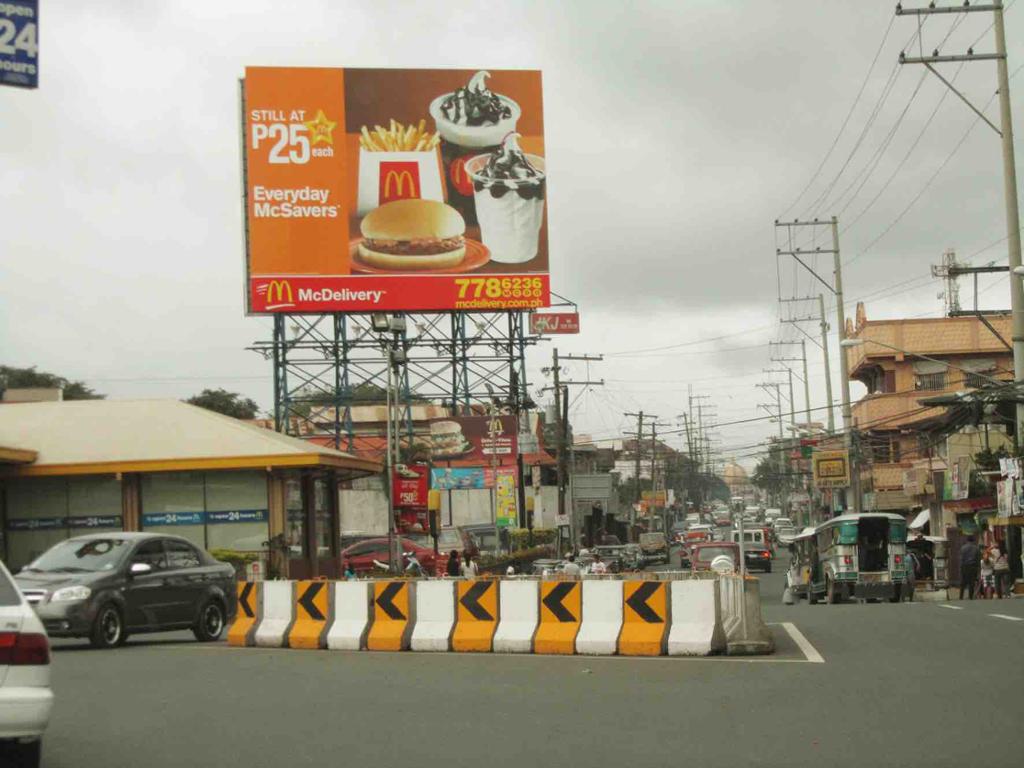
[168,467]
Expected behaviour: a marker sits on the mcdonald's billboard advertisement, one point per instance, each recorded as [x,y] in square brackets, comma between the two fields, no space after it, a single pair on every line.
[394,190]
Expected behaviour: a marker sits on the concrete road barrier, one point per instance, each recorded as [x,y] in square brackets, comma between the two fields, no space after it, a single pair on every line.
[744,627]
[520,614]
[243,629]
[435,616]
[561,611]
[477,613]
[312,612]
[696,628]
[601,619]
[277,614]
[352,601]
[393,616]
[646,617]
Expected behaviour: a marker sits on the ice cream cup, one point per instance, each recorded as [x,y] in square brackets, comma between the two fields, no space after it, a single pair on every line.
[510,211]
[474,136]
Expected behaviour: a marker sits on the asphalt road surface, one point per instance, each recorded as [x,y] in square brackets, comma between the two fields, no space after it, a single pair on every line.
[921,684]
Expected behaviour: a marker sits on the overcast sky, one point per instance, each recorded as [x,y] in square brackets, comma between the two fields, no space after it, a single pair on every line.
[676,132]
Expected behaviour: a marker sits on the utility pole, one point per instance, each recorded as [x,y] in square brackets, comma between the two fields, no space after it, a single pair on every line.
[807,383]
[637,450]
[561,389]
[828,365]
[836,287]
[783,475]
[1005,131]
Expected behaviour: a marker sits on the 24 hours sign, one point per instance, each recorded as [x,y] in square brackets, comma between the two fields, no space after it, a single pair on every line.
[394,190]
[19,43]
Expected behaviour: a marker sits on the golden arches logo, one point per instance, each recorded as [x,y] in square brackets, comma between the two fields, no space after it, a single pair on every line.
[399,180]
[277,291]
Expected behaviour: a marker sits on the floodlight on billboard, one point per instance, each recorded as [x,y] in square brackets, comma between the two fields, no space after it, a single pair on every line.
[394,190]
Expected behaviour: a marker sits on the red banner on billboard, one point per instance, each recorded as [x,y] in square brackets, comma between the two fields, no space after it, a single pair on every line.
[478,439]
[545,323]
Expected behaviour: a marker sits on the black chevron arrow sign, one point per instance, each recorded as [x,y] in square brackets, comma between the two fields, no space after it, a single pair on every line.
[243,600]
[384,601]
[306,601]
[554,601]
[638,602]
[471,600]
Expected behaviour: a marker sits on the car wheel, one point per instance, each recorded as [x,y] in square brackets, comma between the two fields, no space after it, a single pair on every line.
[27,754]
[108,628]
[211,622]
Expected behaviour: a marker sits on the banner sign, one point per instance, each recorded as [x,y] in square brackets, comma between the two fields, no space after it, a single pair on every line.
[19,43]
[95,521]
[394,190]
[238,516]
[37,524]
[474,439]
[173,518]
[831,469]
[468,478]
[409,485]
[548,323]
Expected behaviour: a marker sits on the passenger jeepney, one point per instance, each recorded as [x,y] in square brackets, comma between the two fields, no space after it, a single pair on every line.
[861,556]
[803,555]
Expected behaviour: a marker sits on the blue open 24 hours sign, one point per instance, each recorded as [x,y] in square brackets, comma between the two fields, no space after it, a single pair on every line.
[19,43]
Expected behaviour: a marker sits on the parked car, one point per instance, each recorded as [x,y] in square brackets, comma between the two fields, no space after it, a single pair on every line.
[447,539]
[702,555]
[108,586]
[25,695]
[781,522]
[361,556]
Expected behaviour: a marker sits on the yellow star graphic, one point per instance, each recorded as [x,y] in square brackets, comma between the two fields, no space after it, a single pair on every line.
[321,128]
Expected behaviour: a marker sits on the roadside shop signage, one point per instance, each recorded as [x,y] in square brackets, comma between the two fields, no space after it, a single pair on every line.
[198,518]
[550,323]
[831,469]
[19,43]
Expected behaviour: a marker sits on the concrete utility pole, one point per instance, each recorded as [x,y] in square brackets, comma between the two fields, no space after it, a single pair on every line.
[637,443]
[836,287]
[828,365]
[807,384]
[1005,132]
[561,389]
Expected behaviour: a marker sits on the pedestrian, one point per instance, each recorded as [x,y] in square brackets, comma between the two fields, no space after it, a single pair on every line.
[1001,569]
[969,560]
[469,569]
[452,568]
[571,568]
[987,581]
[511,570]
[598,566]
[350,573]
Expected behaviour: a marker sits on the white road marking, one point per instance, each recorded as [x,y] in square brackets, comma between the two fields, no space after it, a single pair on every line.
[951,607]
[809,651]
[1004,616]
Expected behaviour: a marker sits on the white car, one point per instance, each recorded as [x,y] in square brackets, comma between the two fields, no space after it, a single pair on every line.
[25,695]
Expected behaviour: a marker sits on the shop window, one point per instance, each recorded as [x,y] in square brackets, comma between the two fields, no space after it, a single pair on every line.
[323,517]
[36,517]
[976,380]
[174,503]
[296,531]
[94,504]
[237,511]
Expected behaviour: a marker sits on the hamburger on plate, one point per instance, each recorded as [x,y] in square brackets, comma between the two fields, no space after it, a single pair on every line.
[446,439]
[413,234]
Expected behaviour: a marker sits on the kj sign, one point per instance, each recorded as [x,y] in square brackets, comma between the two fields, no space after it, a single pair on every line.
[831,469]
[547,323]
[394,190]
[19,43]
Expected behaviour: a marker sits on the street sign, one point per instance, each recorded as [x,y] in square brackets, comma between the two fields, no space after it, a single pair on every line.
[19,43]
[831,469]
[549,323]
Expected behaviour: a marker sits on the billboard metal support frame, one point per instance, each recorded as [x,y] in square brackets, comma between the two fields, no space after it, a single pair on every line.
[454,358]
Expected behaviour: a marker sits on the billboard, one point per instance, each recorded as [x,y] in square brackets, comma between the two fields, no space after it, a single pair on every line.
[394,190]
[474,439]
[831,469]
[19,43]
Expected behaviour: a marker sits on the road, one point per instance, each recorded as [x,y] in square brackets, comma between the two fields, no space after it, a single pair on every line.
[919,684]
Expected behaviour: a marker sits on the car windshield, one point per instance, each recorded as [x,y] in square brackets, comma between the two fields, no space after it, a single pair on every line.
[78,555]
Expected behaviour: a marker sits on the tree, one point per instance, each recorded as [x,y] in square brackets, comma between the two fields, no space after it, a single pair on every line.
[766,476]
[12,377]
[229,403]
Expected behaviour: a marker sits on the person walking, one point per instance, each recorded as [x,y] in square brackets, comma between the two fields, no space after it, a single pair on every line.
[1001,571]
[469,569]
[987,576]
[452,567]
[571,567]
[598,566]
[970,558]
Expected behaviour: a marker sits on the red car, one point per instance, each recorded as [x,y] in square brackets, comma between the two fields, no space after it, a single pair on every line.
[362,554]
[701,555]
